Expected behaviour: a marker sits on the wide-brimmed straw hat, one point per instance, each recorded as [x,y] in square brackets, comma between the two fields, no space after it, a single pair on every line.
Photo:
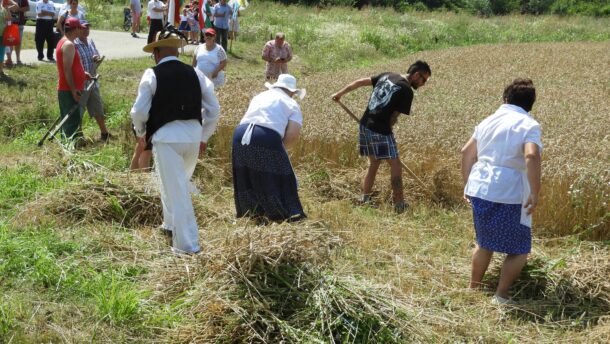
[288,82]
[171,41]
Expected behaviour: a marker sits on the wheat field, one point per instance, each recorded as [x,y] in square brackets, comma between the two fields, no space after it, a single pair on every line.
[466,86]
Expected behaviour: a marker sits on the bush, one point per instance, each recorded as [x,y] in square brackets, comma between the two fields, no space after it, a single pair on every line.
[572,7]
[504,6]
[480,7]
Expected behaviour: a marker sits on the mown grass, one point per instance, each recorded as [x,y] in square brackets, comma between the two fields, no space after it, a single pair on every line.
[81,258]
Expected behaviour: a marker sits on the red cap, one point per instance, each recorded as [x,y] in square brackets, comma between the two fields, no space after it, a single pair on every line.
[210,31]
[73,23]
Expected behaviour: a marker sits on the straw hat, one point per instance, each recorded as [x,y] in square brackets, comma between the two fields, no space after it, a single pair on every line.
[171,41]
[288,82]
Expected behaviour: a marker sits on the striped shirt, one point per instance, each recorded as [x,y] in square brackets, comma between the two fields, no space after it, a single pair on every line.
[86,52]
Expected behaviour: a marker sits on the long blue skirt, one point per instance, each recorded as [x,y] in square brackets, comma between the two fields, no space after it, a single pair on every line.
[264,183]
[498,227]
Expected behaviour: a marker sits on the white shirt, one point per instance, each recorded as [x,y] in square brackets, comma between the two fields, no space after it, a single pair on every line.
[273,109]
[154,14]
[179,130]
[136,5]
[208,61]
[499,173]
[41,6]
[66,7]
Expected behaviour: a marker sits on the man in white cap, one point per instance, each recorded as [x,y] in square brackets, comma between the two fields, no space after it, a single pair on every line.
[176,111]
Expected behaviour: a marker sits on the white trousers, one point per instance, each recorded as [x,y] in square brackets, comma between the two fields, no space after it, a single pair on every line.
[175,164]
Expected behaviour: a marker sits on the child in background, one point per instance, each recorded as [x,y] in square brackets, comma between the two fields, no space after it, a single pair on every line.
[194,27]
[184,26]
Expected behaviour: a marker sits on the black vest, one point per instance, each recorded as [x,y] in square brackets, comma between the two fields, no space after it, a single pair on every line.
[178,96]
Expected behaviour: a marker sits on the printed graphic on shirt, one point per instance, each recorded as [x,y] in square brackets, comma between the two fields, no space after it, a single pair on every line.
[382,94]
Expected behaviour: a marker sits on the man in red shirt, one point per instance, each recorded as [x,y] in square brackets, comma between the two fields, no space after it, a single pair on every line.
[71,78]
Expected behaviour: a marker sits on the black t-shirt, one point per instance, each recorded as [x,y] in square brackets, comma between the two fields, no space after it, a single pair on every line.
[391,93]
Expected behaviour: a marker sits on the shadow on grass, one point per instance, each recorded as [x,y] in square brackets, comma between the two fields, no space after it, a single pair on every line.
[11,82]
[544,295]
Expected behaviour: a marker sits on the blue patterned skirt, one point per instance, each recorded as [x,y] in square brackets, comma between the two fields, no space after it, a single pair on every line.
[498,227]
[264,183]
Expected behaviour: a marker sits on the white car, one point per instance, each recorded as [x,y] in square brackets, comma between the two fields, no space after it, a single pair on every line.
[60,6]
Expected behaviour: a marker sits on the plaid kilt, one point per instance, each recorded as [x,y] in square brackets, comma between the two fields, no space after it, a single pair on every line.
[378,145]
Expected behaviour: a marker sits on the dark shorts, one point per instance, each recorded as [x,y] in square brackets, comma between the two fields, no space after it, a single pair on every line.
[378,145]
[95,106]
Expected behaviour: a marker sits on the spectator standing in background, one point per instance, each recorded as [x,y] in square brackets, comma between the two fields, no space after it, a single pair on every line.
[193,22]
[18,16]
[71,12]
[45,11]
[211,59]
[90,58]
[234,20]
[209,19]
[136,14]
[5,16]
[184,25]
[222,12]
[71,79]
[277,53]
[156,9]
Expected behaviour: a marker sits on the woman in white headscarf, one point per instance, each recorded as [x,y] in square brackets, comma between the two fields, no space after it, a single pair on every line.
[265,186]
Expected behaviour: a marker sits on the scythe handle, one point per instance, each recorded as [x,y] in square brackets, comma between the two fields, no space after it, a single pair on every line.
[405,167]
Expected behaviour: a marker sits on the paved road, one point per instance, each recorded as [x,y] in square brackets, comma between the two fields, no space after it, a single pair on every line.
[114,45]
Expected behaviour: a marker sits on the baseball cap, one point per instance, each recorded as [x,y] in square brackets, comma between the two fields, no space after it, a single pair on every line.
[84,23]
[73,23]
[210,31]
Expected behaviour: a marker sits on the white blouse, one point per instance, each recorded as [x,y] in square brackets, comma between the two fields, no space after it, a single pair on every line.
[273,109]
[499,173]
[208,61]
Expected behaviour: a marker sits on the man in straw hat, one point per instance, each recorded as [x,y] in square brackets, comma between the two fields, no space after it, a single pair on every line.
[392,95]
[176,111]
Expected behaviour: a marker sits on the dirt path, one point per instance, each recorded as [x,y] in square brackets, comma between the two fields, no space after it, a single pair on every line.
[114,45]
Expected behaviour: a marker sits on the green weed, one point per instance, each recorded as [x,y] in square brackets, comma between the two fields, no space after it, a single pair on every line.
[116,300]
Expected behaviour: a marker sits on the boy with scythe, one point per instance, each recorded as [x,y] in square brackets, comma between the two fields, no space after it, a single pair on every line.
[392,95]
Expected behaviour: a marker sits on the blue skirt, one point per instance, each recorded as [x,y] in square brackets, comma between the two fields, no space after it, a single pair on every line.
[184,26]
[264,183]
[498,227]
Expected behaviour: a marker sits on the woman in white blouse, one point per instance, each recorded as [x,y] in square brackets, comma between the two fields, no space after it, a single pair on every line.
[501,168]
[264,184]
[211,59]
